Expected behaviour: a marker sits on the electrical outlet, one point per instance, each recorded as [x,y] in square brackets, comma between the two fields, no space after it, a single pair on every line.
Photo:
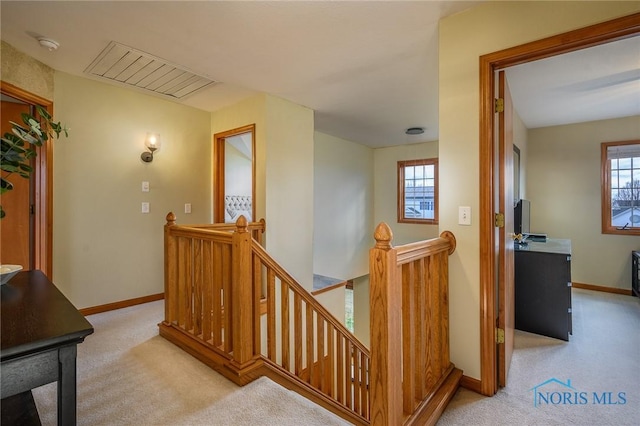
[145,186]
[464,215]
[145,207]
[187,208]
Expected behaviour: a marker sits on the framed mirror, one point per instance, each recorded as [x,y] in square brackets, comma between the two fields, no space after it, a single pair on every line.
[234,182]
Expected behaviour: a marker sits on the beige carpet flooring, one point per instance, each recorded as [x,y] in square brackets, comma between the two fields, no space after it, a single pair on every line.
[603,355]
[128,375]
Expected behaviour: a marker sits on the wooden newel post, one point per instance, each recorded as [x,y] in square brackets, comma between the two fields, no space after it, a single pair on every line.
[242,309]
[386,331]
[170,272]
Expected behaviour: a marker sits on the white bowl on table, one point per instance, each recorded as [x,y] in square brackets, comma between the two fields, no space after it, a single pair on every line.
[8,271]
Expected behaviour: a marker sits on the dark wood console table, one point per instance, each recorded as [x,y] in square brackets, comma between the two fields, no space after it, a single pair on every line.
[543,288]
[40,332]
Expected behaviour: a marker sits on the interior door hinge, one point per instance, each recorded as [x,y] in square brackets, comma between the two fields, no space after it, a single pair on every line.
[499,105]
[499,220]
[32,209]
[499,335]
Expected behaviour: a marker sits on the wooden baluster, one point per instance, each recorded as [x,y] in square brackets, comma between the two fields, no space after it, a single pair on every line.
[207,288]
[365,384]
[409,325]
[320,383]
[284,325]
[257,300]
[340,375]
[329,375]
[386,331]
[348,371]
[357,380]
[271,315]
[444,312]
[433,374]
[184,283]
[310,338]
[227,304]
[297,333]
[197,287]
[216,297]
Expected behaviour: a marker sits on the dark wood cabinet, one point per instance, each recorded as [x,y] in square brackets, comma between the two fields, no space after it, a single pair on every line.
[543,288]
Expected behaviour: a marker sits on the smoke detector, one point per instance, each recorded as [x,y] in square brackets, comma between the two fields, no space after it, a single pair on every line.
[48,43]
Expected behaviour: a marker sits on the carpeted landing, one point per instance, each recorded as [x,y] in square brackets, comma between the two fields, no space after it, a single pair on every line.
[128,375]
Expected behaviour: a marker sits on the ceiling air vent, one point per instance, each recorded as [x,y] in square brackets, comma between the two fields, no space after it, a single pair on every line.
[132,68]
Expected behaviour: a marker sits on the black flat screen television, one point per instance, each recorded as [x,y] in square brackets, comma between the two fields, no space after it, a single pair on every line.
[521,218]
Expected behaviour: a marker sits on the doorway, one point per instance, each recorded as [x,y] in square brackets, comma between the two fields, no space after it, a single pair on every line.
[30,246]
[234,175]
[574,40]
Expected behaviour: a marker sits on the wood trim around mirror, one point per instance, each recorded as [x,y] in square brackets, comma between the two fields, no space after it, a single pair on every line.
[219,168]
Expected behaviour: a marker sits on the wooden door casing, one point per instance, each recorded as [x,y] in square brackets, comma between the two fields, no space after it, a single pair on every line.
[616,29]
[42,179]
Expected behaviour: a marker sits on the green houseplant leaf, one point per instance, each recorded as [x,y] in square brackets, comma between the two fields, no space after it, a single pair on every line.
[18,147]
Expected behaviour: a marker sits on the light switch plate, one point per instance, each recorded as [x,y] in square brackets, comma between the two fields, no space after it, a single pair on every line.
[464,215]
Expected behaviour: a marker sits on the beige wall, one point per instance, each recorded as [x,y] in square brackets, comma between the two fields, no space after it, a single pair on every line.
[284,176]
[246,112]
[25,72]
[289,187]
[343,207]
[464,37]
[386,190]
[105,250]
[520,139]
[564,189]
[361,309]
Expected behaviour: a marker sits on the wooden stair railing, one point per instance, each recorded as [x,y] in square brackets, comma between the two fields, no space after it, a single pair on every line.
[216,279]
[305,343]
[412,377]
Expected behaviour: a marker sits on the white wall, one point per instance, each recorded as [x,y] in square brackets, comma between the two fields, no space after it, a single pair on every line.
[104,249]
[464,37]
[386,190]
[343,207]
[564,190]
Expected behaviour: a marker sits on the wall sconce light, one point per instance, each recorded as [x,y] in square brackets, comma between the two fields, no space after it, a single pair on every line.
[152,142]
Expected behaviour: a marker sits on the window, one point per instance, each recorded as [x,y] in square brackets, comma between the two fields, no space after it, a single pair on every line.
[621,187]
[418,191]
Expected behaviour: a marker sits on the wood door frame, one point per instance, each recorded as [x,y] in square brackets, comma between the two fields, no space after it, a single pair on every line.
[43,181]
[219,168]
[593,35]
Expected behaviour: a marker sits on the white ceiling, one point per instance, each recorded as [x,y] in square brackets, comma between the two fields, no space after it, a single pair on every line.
[591,84]
[369,70]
